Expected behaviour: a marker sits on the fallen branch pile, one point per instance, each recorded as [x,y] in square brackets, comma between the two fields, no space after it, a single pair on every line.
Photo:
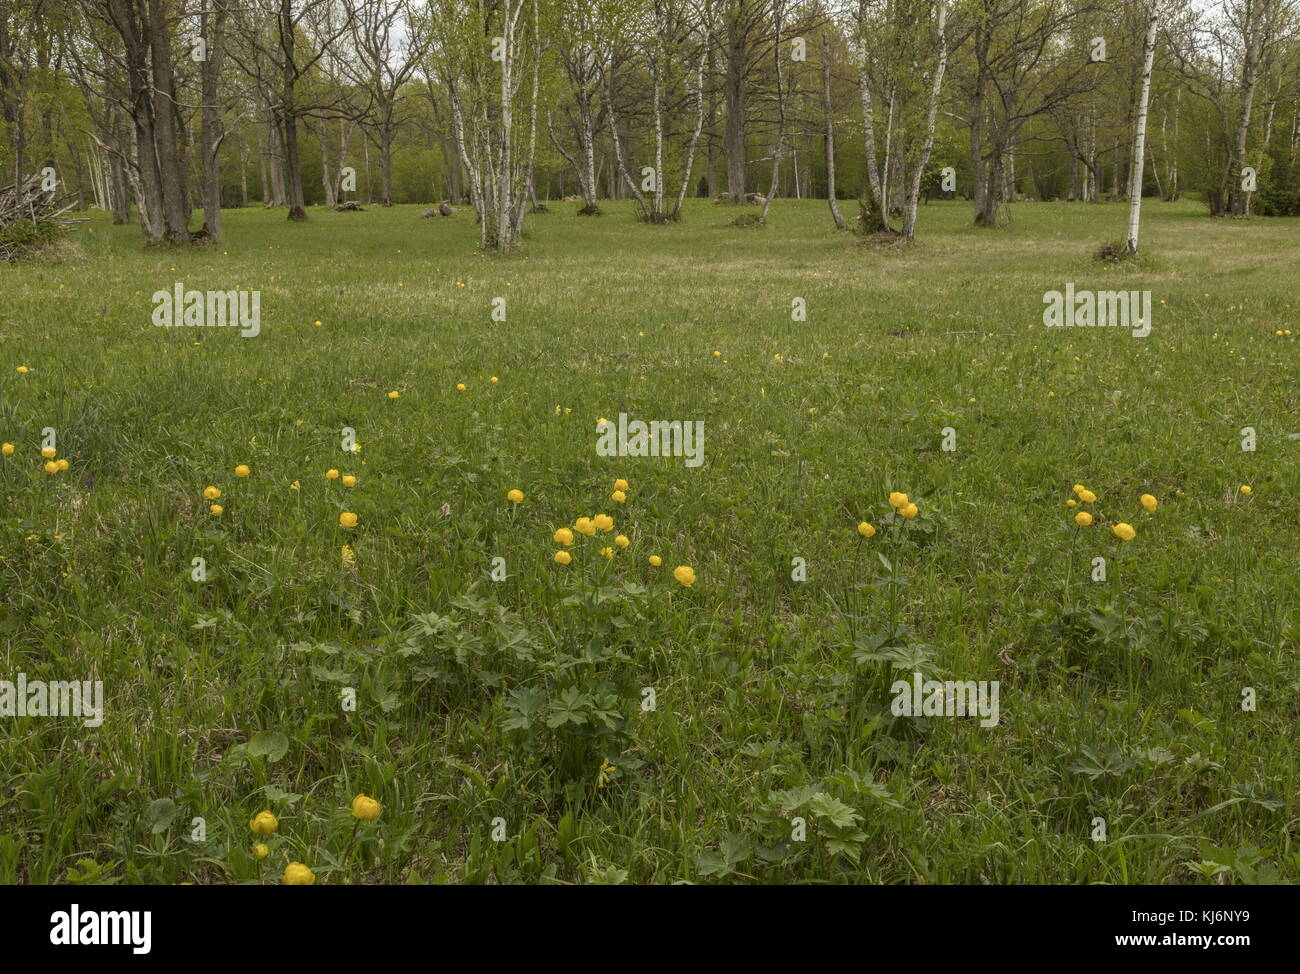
[31,216]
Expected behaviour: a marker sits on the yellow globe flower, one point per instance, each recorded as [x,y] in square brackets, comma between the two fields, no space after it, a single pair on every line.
[51,467]
[897,500]
[217,510]
[1078,488]
[460,387]
[493,380]
[618,497]
[622,541]
[1083,519]
[48,452]
[296,874]
[1087,496]
[607,552]
[866,530]
[515,496]
[211,493]
[22,370]
[684,574]
[349,480]
[347,519]
[563,536]
[62,463]
[263,823]
[603,522]
[7,449]
[1124,531]
[1071,503]
[331,474]
[365,808]
[655,561]
[242,470]
[316,323]
[620,484]
[910,511]
[562,557]
[394,394]
[260,851]
[1149,502]
[585,526]
[1245,489]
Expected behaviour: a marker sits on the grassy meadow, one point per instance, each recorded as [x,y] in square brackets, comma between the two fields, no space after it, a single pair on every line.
[600,721]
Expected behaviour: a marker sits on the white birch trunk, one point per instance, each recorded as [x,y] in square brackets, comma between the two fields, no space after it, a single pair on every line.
[1140,135]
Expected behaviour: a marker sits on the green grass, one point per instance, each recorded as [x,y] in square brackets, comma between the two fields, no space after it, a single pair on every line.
[1119,700]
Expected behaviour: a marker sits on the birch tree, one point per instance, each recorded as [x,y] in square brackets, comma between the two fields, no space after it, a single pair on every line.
[923,156]
[580,52]
[1140,132]
[482,54]
[829,138]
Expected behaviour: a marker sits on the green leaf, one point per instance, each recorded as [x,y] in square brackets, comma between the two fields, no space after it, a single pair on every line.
[159,816]
[1196,720]
[276,794]
[271,745]
[829,807]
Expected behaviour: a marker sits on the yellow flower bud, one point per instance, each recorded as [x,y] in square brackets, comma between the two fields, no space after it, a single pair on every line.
[365,808]
[296,874]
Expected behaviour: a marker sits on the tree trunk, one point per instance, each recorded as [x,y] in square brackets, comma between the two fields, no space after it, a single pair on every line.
[695,136]
[914,188]
[1140,135]
[386,131]
[1251,37]
[778,12]
[829,139]
[293,168]
[503,200]
[212,133]
[979,186]
[171,165]
[734,94]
